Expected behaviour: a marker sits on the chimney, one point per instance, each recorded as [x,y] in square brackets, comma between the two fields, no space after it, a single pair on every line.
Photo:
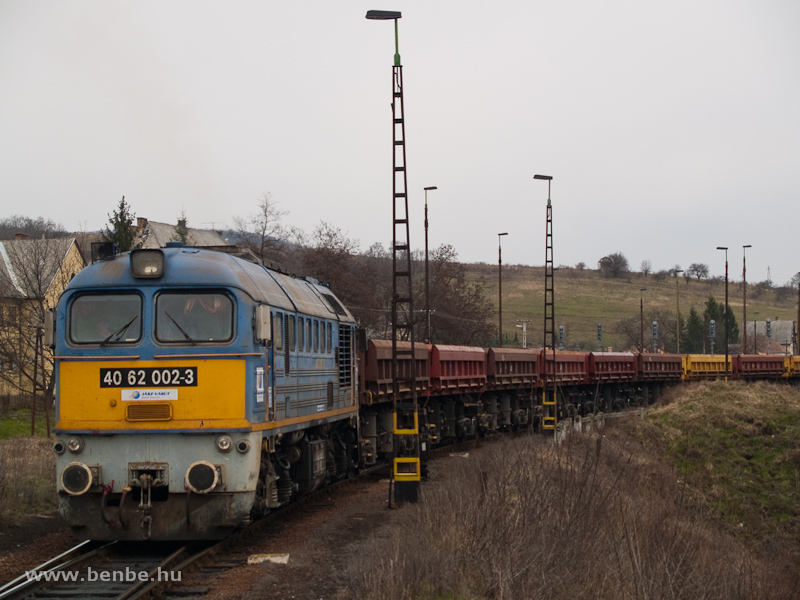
[21,236]
[141,223]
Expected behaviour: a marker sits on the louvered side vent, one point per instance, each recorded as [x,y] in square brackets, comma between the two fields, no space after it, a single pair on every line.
[345,356]
[149,412]
[330,395]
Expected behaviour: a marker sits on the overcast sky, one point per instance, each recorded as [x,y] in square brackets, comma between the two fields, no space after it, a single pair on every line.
[670,128]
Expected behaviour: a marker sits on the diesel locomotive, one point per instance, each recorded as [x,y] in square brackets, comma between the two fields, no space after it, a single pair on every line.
[195,390]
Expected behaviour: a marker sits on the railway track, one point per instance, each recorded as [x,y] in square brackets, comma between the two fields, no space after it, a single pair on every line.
[105,570]
[130,571]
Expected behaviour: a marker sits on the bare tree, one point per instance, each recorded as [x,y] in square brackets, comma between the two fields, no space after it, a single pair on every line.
[262,232]
[332,257]
[33,274]
[629,330]
[35,228]
[613,265]
[375,308]
[646,267]
[697,270]
[461,311]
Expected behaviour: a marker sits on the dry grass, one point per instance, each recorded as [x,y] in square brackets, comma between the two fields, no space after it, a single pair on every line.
[592,518]
[27,478]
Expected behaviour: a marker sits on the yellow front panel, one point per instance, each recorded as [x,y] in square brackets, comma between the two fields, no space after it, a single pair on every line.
[218,399]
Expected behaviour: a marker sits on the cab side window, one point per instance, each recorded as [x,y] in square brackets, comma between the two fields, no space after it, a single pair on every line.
[300,339]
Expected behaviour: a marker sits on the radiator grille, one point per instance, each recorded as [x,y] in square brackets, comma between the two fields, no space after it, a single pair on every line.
[149,412]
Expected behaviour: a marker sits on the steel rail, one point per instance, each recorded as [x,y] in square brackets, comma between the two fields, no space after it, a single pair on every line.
[27,583]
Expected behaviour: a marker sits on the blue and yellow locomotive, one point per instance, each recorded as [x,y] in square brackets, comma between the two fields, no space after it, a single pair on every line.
[196,390]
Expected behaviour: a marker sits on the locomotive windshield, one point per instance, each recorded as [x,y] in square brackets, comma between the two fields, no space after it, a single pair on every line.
[186,317]
[106,319]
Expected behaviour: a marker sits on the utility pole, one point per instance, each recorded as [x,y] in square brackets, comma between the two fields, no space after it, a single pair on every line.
[744,296]
[641,320]
[727,319]
[500,285]
[428,338]
[677,310]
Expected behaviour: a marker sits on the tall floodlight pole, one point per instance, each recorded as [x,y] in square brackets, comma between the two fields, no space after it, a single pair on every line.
[549,406]
[500,286]
[725,248]
[406,471]
[641,320]
[677,310]
[428,338]
[744,296]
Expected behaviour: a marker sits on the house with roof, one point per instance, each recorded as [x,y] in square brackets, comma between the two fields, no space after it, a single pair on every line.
[150,234]
[33,275]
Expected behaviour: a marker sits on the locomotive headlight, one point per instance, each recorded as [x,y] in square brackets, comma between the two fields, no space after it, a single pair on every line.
[76,478]
[224,443]
[147,263]
[202,477]
[75,444]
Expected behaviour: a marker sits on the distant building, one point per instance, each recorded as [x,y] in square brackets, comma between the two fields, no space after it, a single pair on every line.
[150,234]
[33,275]
[780,340]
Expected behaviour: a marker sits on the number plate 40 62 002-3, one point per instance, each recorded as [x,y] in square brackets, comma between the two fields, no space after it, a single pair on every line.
[149,377]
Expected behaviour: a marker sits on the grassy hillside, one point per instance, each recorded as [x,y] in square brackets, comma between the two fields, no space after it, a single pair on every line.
[736,448]
[583,299]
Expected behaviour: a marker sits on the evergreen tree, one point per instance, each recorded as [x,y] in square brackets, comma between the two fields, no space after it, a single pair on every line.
[120,230]
[692,342]
[182,230]
[716,310]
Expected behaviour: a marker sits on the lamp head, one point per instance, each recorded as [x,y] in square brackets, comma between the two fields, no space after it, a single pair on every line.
[383,15]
